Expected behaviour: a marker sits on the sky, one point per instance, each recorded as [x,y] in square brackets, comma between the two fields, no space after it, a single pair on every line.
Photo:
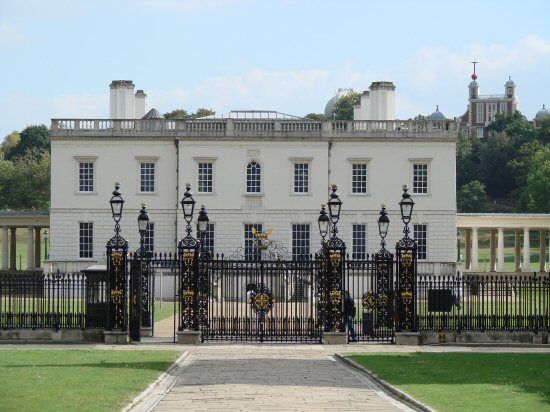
[57,58]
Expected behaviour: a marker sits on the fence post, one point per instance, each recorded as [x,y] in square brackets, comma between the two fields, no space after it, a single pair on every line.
[406,267]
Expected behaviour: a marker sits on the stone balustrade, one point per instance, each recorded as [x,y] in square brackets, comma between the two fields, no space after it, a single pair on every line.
[257,127]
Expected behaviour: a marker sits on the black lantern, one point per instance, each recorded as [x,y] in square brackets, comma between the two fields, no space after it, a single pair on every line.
[383,222]
[188,204]
[202,221]
[334,205]
[406,204]
[117,203]
[143,220]
[324,222]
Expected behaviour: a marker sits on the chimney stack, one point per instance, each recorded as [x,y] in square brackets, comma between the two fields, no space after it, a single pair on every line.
[122,99]
[140,104]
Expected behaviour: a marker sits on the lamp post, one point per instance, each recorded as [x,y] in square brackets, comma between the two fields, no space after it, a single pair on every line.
[383,225]
[188,207]
[117,250]
[143,224]
[406,205]
[334,208]
[324,223]
[202,227]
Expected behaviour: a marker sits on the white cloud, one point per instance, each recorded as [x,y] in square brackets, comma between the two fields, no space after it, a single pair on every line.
[9,36]
[435,66]
[191,6]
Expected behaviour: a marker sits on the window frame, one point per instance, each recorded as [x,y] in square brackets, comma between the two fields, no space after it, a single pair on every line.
[149,238]
[89,236]
[85,159]
[147,159]
[359,161]
[418,244]
[300,161]
[294,241]
[355,245]
[260,184]
[480,113]
[427,163]
[198,162]
[210,237]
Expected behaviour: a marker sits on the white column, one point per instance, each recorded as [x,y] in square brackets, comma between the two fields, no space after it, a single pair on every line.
[5,248]
[526,251]
[30,248]
[475,254]
[500,254]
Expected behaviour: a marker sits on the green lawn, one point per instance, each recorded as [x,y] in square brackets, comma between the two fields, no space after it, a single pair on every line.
[467,381]
[76,380]
[163,310]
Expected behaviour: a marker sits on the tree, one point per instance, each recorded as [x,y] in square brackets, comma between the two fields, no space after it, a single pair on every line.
[10,141]
[320,117]
[515,126]
[467,158]
[494,155]
[536,195]
[544,130]
[472,197]
[343,109]
[33,138]
[182,114]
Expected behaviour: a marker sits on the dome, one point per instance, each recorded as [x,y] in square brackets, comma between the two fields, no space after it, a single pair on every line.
[542,113]
[329,108]
[510,82]
[437,115]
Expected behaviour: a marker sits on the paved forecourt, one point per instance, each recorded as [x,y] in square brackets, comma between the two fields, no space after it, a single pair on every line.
[273,380]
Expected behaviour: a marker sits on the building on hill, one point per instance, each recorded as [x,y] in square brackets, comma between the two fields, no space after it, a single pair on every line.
[541,115]
[482,109]
[260,169]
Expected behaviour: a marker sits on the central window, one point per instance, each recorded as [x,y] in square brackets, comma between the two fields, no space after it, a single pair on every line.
[86,240]
[420,233]
[149,238]
[147,174]
[251,252]
[205,177]
[300,241]
[301,177]
[359,250]
[208,240]
[253,177]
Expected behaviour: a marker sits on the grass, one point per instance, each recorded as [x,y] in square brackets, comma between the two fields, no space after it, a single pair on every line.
[76,380]
[467,381]
[164,312]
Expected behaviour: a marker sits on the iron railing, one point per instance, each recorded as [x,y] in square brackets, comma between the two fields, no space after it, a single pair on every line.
[483,303]
[56,300]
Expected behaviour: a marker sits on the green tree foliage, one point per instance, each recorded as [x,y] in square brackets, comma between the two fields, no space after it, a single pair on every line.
[181,114]
[33,138]
[343,110]
[25,182]
[10,141]
[508,163]
[316,116]
[536,195]
[471,197]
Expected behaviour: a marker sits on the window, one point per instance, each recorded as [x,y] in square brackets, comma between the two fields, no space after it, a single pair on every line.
[480,118]
[86,240]
[479,132]
[300,241]
[503,107]
[251,252]
[420,235]
[420,178]
[205,177]
[147,177]
[253,178]
[359,244]
[85,176]
[301,177]
[209,238]
[491,111]
[149,238]
[359,178]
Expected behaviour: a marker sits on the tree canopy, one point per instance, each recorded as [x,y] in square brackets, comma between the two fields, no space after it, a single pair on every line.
[182,114]
[35,139]
[343,109]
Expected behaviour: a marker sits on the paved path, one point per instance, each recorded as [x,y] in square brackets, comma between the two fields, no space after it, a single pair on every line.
[282,380]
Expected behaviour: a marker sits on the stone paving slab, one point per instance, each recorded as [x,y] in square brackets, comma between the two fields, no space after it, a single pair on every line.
[273,381]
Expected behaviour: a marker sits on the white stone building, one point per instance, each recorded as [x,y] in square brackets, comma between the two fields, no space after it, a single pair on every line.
[260,168]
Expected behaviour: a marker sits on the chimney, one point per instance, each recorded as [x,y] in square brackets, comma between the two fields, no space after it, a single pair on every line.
[140,104]
[382,101]
[122,99]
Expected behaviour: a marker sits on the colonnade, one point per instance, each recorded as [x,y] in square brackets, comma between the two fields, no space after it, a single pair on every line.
[496,261]
[9,247]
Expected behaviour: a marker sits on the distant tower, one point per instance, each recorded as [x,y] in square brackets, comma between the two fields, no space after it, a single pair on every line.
[140,104]
[510,88]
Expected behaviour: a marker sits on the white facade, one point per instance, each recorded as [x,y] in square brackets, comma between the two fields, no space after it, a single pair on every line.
[386,155]
[377,103]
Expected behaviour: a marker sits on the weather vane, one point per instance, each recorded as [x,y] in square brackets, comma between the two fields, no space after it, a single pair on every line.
[474,75]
